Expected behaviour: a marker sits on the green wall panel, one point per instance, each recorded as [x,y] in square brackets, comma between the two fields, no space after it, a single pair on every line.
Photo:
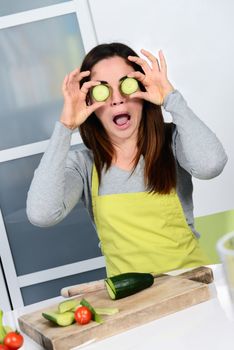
[211,228]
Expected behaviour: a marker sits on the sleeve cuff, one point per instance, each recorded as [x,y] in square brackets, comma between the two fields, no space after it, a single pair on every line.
[62,128]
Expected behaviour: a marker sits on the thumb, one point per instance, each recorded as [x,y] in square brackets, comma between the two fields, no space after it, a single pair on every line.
[138,94]
[92,108]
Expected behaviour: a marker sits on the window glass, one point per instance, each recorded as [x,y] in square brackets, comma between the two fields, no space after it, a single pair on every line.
[42,291]
[34,248]
[9,7]
[34,59]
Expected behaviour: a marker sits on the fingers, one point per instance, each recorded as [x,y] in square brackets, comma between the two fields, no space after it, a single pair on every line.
[71,83]
[88,84]
[64,85]
[72,78]
[137,75]
[162,60]
[92,108]
[152,59]
[141,62]
[77,76]
[73,75]
[138,94]
[156,65]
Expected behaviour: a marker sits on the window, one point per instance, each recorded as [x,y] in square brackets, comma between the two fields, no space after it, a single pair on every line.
[32,67]
[9,7]
[38,48]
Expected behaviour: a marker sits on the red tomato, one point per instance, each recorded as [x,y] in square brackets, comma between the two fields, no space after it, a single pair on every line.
[13,340]
[83,315]
[3,347]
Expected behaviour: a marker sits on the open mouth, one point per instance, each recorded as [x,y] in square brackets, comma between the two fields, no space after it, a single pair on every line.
[121,119]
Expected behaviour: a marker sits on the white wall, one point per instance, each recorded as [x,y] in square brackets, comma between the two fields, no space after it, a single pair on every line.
[197,39]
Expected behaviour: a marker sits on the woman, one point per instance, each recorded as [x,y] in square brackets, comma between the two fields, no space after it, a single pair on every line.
[134,175]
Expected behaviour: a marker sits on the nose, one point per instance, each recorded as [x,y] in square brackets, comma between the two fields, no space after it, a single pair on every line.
[116,97]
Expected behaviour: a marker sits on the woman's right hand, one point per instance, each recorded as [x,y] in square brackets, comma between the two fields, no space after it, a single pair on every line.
[75,108]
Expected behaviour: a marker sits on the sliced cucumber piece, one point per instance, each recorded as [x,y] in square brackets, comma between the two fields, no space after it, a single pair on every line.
[106,310]
[125,284]
[67,305]
[129,86]
[76,307]
[110,289]
[100,92]
[65,319]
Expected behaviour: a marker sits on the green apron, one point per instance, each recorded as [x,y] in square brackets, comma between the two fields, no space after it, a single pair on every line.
[144,232]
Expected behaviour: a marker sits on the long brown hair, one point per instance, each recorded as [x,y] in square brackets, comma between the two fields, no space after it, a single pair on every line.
[154,136]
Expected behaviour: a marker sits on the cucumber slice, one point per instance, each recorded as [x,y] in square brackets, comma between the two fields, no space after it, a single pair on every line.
[110,289]
[100,92]
[65,319]
[106,310]
[126,284]
[76,307]
[129,86]
[67,305]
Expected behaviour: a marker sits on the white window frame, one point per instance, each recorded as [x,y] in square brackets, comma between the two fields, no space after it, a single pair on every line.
[82,10]
[4,300]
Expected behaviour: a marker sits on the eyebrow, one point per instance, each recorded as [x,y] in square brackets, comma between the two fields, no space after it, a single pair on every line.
[105,82]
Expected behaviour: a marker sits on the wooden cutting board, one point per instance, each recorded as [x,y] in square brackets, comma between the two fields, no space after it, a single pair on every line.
[167,295]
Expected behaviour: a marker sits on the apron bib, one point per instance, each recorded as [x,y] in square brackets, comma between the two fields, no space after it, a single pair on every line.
[144,232]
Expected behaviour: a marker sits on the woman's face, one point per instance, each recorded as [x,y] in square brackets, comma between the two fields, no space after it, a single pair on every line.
[120,116]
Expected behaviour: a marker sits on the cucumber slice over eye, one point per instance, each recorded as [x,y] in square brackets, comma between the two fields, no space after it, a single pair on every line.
[100,92]
[129,86]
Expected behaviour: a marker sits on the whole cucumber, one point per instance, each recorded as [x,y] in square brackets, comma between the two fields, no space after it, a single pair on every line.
[126,284]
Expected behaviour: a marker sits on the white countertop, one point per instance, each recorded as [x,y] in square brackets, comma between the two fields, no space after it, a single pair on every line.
[209,325]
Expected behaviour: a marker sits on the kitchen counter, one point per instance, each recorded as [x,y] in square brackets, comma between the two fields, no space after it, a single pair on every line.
[209,325]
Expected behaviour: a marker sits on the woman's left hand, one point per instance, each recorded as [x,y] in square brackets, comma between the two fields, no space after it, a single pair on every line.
[154,79]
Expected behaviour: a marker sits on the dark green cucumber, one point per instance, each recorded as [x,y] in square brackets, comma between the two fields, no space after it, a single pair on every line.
[95,316]
[64,319]
[129,86]
[125,284]
[100,92]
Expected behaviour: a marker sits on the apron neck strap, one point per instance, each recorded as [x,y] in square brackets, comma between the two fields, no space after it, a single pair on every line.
[95,184]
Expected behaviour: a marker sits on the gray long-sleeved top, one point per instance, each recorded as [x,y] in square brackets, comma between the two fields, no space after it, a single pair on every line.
[63,176]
